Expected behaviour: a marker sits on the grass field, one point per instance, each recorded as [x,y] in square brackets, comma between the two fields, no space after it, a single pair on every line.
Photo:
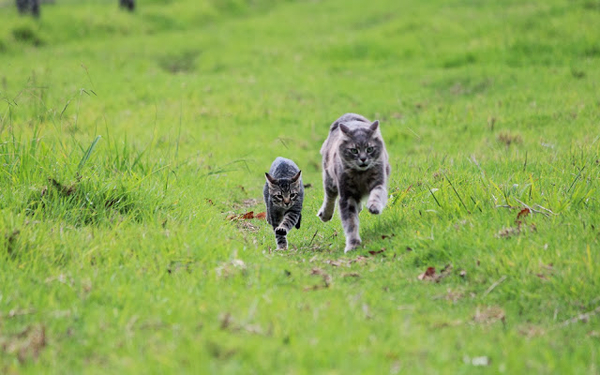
[128,140]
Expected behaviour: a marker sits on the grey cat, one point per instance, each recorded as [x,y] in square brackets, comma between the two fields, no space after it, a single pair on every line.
[284,194]
[355,167]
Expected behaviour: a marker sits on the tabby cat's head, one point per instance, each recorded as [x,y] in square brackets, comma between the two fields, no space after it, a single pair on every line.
[361,146]
[284,192]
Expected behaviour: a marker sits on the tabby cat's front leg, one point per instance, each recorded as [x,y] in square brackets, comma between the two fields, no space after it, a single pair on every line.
[349,214]
[289,220]
[281,240]
[377,199]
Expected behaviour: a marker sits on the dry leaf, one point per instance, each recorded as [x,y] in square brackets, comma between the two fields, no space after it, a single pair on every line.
[489,315]
[247,216]
[26,344]
[359,259]
[428,274]
[319,272]
[373,252]
[523,213]
[446,271]
[508,232]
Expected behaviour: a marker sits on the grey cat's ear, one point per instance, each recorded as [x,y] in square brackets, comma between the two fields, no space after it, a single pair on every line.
[270,179]
[297,176]
[345,129]
[374,125]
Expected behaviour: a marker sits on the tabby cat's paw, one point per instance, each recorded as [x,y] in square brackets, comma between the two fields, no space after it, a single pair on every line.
[281,231]
[352,244]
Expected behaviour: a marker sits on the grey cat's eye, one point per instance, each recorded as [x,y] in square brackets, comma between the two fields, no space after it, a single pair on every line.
[293,195]
[354,151]
[370,150]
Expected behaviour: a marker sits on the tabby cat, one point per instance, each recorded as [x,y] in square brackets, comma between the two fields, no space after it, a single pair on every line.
[355,167]
[283,195]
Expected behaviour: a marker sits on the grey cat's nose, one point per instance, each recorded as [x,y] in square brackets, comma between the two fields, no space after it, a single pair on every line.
[363,158]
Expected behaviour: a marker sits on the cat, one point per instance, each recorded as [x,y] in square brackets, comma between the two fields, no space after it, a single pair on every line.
[355,167]
[284,195]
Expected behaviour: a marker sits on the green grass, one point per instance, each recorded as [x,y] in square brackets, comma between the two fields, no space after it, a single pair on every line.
[116,255]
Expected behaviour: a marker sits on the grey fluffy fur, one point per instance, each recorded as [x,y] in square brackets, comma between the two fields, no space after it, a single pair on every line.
[284,194]
[355,167]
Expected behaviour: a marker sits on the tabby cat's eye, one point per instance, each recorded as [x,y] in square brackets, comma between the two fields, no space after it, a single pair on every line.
[354,151]
[370,150]
[278,196]
[293,195]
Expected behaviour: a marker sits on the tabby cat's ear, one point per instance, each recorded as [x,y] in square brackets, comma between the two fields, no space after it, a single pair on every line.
[345,129]
[270,179]
[297,176]
[374,125]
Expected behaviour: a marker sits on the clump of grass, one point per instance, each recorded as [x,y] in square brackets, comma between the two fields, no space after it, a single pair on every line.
[508,138]
[180,63]
[85,203]
[27,35]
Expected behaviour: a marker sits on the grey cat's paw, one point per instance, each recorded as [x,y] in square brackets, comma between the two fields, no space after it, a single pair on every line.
[374,208]
[281,231]
[352,244]
[325,216]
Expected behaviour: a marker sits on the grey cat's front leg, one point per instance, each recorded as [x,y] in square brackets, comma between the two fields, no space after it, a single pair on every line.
[331,193]
[377,199]
[349,214]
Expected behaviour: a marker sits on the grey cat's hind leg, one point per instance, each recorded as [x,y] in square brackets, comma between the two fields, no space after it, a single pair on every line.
[377,199]
[349,214]
[331,193]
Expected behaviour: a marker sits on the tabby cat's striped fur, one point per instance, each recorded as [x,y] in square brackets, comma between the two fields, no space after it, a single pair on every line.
[284,194]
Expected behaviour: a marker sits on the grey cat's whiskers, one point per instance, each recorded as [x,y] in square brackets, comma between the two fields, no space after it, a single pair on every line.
[355,167]
[284,195]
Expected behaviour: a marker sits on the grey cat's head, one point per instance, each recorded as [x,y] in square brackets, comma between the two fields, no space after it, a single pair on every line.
[284,192]
[361,146]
